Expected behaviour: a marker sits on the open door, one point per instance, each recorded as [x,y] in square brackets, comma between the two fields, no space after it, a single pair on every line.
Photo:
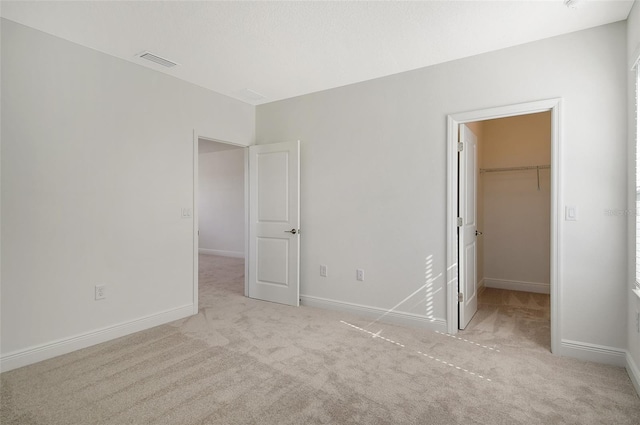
[274,222]
[467,227]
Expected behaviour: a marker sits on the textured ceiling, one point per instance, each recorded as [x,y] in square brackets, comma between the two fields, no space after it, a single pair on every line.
[260,52]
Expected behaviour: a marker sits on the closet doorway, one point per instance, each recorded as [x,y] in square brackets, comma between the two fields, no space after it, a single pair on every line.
[511,272]
[513,229]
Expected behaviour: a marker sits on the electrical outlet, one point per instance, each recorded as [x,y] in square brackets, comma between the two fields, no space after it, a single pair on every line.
[360,275]
[323,270]
[101,292]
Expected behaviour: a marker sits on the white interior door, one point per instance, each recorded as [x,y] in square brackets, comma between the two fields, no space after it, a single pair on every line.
[274,222]
[467,246]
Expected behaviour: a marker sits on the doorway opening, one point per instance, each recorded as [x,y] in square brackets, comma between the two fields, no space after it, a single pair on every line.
[509,183]
[512,230]
[220,217]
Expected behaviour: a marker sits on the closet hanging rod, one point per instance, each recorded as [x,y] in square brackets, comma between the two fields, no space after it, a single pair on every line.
[530,167]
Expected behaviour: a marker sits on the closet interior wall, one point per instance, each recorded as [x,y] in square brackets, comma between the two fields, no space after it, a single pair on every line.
[514,195]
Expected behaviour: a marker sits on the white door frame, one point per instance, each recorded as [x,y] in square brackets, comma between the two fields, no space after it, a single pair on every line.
[453,122]
[196,137]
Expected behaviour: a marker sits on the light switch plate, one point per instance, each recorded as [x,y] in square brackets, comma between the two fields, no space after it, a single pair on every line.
[571,213]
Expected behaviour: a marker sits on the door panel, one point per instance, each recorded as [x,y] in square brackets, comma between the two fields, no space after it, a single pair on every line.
[272,255]
[470,271]
[467,267]
[274,222]
[273,181]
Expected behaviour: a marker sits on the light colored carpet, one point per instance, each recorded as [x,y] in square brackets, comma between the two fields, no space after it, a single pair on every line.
[512,319]
[241,361]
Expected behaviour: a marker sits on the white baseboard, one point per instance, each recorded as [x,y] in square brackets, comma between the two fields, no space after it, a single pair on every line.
[49,350]
[514,285]
[234,254]
[593,352]
[481,286]
[634,373]
[379,314]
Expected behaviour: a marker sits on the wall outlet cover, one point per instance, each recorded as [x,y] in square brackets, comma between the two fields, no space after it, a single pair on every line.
[101,292]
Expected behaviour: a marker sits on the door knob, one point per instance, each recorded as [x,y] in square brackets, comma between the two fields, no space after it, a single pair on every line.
[478,233]
[293,231]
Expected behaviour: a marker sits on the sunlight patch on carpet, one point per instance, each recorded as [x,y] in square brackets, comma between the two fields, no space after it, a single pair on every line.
[377,335]
[469,341]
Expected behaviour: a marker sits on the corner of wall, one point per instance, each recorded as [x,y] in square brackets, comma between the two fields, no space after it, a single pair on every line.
[633,51]
[634,372]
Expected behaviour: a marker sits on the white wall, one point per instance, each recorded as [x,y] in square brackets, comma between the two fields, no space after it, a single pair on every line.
[221,203]
[633,337]
[516,214]
[373,161]
[97,162]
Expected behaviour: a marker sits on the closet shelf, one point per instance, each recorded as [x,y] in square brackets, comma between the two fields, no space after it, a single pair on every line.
[529,167]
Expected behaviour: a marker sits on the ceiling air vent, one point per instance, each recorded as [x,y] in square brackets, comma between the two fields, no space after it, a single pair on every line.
[157,59]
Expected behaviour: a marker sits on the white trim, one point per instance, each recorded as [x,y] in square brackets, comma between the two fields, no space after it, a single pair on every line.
[378,314]
[593,352]
[506,111]
[234,254]
[634,372]
[196,222]
[52,349]
[452,225]
[246,222]
[453,122]
[516,285]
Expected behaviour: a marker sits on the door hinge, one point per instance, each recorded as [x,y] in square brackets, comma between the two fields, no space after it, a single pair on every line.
[460,146]
[460,297]
[459,221]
